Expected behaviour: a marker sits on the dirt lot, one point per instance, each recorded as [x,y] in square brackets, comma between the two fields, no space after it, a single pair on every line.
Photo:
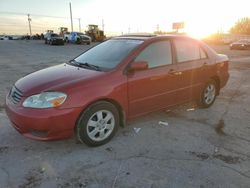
[198,148]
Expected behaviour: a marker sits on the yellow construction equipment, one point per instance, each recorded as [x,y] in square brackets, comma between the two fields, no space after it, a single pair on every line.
[62,31]
[95,33]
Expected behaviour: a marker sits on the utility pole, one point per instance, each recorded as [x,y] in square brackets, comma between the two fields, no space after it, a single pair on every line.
[71,17]
[79,19]
[103,25]
[29,20]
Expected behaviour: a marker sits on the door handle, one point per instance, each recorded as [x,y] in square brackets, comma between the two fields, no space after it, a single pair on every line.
[205,64]
[173,72]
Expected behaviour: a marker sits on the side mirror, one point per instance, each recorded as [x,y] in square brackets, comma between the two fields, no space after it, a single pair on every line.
[138,65]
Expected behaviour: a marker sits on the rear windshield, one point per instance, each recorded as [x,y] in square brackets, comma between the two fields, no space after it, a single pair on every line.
[108,54]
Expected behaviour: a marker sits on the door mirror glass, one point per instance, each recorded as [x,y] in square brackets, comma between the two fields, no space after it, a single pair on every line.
[138,65]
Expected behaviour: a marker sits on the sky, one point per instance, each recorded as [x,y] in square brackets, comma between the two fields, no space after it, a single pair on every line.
[201,17]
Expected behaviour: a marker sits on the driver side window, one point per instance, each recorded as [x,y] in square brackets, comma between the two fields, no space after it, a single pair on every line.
[156,54]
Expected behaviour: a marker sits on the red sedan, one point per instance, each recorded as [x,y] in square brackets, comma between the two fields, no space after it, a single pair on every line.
[117,80]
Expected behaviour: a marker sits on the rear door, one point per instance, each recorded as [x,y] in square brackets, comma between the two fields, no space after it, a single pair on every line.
[154,88]
[192,62]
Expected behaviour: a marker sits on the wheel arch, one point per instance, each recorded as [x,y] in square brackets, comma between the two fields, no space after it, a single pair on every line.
[121,111]
[217,80]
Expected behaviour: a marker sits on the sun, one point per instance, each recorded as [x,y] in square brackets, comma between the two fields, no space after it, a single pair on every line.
[199,32]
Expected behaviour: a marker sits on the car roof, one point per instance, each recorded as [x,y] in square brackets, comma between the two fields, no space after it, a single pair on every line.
[151,36]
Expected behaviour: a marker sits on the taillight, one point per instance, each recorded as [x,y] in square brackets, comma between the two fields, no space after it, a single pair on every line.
[223,65]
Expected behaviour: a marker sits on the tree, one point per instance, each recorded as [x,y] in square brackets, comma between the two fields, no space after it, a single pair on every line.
[242,26]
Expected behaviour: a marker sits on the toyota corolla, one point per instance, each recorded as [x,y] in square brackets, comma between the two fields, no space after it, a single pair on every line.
[115,81]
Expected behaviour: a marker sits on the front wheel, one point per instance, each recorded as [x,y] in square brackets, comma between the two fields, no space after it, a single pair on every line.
[97,124]
[208,94]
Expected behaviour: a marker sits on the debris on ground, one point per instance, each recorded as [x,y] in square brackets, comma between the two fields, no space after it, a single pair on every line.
[43,169]
[110,149]
[228,159]
[137,130]
[163,123]
[202,156]
[225,158]
[219,127]
[216,150]
[190,109]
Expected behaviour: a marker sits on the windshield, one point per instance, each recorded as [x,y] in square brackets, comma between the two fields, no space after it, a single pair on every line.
[54,35]
[109,54]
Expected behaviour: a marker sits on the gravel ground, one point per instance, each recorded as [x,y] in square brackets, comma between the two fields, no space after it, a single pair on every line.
[198,148]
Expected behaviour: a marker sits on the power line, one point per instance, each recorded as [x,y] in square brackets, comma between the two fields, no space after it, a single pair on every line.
[35,15]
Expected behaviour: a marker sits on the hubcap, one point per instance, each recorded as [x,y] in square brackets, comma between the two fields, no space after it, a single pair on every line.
[209,94]
[100,125]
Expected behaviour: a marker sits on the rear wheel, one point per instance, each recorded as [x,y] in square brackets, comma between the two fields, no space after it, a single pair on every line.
[208,95]
[98,124]
[78,41]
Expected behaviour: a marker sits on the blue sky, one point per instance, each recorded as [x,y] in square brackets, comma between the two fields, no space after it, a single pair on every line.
[201,16]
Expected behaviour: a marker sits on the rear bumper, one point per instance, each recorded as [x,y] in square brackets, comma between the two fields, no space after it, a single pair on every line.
[43,124]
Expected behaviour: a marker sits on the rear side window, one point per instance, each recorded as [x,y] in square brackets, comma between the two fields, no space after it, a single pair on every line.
[188,50]
[156,54]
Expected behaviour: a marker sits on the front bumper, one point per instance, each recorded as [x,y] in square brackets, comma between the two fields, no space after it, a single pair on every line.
[43,124]
[57,42]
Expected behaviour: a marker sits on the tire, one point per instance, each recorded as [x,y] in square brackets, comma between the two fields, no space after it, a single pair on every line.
[208,94]
[100,118]
[78,41]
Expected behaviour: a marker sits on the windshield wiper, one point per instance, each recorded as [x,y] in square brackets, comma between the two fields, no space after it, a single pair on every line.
[74,62]
[84,65]
[90,66]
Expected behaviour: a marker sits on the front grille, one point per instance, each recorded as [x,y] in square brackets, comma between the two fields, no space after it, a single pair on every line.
[15,95]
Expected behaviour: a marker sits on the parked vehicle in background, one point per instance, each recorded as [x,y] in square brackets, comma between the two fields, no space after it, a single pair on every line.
[79,38]
[66,37]
[54,39]
[63,32]
[16,37]
[47,34]
[95,33]
[6,37]
[242,44]
[117,80]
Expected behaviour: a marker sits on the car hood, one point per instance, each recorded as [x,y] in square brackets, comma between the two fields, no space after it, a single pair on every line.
[53,78]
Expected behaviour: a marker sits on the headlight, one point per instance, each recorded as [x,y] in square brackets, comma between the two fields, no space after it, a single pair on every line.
[45,100]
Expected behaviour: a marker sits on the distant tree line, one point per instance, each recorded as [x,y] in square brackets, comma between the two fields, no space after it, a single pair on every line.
[242,26]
